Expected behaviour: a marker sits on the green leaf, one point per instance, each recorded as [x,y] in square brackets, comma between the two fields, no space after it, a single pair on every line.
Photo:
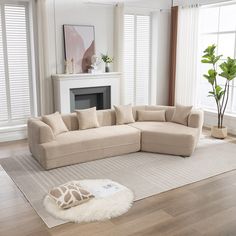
[210,80]
[218,89]
[219,92]
[209,56]
[217,58]
[210,49]
[211,94]
[211,77]
[228,69]
[206,61]
[212,73]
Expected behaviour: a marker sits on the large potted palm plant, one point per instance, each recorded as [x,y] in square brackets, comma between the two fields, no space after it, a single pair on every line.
[219,92]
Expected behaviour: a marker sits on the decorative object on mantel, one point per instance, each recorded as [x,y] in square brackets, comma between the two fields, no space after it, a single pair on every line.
[107,60]
[79,41]
[221,95]
[72,66]
[67,67]
[94,66]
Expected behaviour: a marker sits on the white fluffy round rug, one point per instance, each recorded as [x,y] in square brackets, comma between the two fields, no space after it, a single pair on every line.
[108,202]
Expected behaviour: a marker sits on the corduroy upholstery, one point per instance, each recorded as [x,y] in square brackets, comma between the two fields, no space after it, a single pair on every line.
[76,146]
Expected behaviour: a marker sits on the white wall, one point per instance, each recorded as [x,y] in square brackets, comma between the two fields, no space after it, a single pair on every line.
[77,13]
[102,17]
[61,12]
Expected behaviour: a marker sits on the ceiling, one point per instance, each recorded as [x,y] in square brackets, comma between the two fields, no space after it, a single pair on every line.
[139,3]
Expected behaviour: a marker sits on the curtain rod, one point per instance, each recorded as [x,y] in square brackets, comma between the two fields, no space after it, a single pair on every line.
[222,3]
[191,6]
[148,8]
[99,3]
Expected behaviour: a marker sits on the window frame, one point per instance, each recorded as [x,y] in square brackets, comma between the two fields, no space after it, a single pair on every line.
[141,12]
[230,106]
[32,68]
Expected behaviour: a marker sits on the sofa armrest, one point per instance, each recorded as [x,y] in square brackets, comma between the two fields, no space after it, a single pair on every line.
[195,119]
[39,132]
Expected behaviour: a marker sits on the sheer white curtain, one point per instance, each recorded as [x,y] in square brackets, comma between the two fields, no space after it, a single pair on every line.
[45,88]
[187,57]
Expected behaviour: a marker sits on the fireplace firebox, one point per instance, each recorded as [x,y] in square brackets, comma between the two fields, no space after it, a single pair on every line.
[82,98]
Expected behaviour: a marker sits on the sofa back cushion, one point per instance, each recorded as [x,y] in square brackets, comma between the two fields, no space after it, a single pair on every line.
[87,118]
[169,111]
[55,122]
[124,114]
[136,109]
[108,117]
[159,116]
[71,121]
[181,114]
[105,118]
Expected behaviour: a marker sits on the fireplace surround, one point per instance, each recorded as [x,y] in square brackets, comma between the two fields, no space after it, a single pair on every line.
[67,86]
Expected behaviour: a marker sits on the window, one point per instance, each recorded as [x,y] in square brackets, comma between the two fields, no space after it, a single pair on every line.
[16,96]
[218,29]
[137,59]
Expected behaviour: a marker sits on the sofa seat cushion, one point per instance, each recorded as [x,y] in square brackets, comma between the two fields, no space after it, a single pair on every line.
[96,141]
[167,137]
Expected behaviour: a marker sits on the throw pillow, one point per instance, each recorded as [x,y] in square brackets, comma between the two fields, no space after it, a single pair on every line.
[124,114]
[69,195]
[87,118]
[55,122]
[181,114]
[152,116]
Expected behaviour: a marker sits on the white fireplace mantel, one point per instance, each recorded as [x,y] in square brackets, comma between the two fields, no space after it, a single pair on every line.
[62,83]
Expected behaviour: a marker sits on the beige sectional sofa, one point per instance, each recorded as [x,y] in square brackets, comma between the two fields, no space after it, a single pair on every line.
[77,146]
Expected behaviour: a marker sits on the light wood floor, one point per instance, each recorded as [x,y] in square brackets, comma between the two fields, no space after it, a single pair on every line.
[204,208]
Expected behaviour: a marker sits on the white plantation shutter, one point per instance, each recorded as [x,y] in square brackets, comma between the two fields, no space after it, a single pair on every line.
[143,60]
[3,95]
[137,59]
[15,92]
[129,62]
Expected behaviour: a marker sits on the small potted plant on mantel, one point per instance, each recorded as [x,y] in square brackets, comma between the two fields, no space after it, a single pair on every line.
[219,93]
[107,60]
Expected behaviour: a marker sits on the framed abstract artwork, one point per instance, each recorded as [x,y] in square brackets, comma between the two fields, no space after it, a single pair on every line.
[79,44]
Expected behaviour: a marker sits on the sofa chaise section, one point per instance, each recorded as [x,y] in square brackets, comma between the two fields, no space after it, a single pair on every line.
[167,138]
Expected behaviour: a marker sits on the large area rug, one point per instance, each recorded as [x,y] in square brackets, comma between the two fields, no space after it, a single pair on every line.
[146,174]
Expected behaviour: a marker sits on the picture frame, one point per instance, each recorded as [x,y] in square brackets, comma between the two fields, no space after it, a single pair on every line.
[79,46]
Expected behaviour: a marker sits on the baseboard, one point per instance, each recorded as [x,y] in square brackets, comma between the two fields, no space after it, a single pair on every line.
[13,133]
[210,119]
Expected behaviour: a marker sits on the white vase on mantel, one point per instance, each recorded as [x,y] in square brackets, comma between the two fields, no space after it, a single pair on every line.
[220,133]
[107,68]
